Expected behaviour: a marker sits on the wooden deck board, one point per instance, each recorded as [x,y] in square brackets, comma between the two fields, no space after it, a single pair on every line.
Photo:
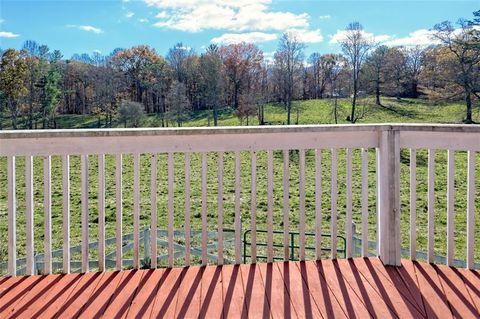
[256,301]
[233,292]
[356,288]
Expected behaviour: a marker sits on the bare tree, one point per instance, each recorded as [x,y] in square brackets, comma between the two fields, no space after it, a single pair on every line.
[288,63]
[463,62]
[355,46]
[177,102]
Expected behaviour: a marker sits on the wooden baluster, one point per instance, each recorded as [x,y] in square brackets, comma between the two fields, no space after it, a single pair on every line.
[118,212]
[364,202]
[286,205]
[238,225]
[12,212]
[29,216]
[101,212]
[84,181]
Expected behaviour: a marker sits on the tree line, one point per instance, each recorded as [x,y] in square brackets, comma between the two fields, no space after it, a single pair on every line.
[37,84]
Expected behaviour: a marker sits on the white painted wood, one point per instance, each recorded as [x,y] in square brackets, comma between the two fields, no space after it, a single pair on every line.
[413,204]
[253,208]
[333,198]
[389,197]
[247,140]
[84,191]
[153,211]
[12,218]
[455,141]
[301,236]
[29,216]
[66,212]
[187,227]
[431,205]
[471,210]
[238,221]
[318,204]
[204,208]
[118,212]
[171,195]
[365,222]
[348,221]
[220,208]
[47,206]
[451,208]
[269,206]
[101,212]
[286,205]
[136,211]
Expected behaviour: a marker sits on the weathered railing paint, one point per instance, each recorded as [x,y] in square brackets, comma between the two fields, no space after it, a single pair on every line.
[387,139]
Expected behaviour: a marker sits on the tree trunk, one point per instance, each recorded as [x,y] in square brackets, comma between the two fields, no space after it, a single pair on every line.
[468,102]
[377,94]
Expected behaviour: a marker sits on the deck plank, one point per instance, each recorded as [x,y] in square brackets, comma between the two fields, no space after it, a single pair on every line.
[354,288]
[211,304]
[16,293]
[351,304]
[276,292]
[376,303]
[188,304]
[322,295]
[124,293]
[434,298]
[471,279]
[50,301]
[142,302]
[300,296]
[256,301]
[233,292]
[396,296]
[73,304]
[102,294]
[458,297]
[166,297]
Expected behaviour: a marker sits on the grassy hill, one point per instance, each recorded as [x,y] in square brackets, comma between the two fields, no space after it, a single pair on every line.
[310,112]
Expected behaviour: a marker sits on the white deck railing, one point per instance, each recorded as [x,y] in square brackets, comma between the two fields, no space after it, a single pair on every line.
[387,140]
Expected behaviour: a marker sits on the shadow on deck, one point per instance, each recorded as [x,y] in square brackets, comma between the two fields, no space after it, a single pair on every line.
[356,288]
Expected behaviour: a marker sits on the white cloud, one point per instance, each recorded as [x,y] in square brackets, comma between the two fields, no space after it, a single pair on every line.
[422,37]
[249,37]
[87,28]
[129,14]
[305,36]
[325,17]
[162,15]
[240,15]
[340,35]
[143,20]
[5,34]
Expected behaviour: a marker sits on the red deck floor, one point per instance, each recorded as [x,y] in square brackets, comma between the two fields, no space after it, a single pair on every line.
[358,288]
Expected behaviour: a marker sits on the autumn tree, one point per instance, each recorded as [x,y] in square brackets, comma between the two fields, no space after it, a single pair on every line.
[355,46]
[13,80]
[133,63]
[461,58]
[240,61]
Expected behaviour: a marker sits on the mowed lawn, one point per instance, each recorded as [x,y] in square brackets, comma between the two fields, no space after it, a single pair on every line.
[310,112]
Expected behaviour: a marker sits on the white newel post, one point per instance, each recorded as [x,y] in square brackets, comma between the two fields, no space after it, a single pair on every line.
[389,197]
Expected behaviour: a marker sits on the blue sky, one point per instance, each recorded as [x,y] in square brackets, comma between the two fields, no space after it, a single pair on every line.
[87,25]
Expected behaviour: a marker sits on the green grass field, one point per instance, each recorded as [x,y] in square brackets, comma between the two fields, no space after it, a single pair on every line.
[310,112]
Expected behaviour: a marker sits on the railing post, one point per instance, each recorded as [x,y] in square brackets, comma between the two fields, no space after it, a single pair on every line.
[388,167]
